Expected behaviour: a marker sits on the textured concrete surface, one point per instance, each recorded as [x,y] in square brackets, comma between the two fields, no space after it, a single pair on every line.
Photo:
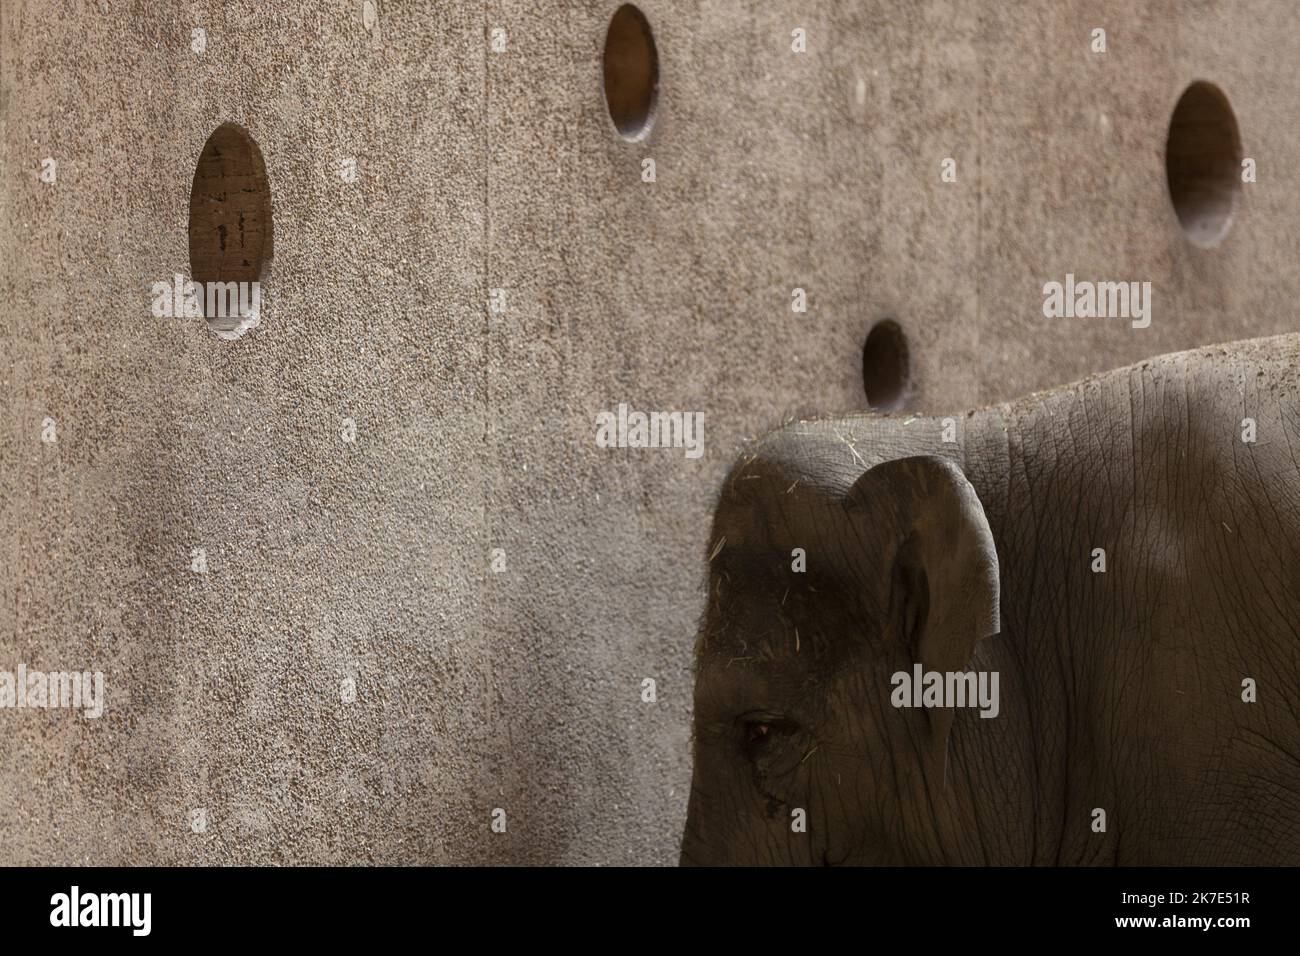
[477,170]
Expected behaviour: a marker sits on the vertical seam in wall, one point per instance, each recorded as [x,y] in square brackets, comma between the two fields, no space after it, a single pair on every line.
[981,388]
[487,237]
[489,445]
[489,458]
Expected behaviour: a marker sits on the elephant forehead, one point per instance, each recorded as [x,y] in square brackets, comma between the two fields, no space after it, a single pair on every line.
[783,607]
[757,635]
[782,644]
[729,684]
[764,513]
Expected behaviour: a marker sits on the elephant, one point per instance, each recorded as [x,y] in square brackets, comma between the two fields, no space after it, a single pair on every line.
[1123,552]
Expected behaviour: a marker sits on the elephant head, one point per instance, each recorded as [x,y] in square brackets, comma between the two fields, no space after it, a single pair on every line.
[819,591]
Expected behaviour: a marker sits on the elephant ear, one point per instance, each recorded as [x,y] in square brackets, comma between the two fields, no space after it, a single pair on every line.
[925,520]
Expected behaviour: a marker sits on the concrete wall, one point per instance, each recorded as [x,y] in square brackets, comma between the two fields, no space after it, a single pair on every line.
[328,559]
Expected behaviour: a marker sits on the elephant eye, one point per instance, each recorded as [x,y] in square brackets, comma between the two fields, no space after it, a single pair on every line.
[758,733]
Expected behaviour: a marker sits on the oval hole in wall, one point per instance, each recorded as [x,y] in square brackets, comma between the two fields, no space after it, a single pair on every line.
[230,230]
[1203,163]
[631,66]
[886,366]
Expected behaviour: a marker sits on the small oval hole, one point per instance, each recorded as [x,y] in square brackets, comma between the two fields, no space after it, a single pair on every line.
[631,65]
[230,230]
[1203,163]
[886,366]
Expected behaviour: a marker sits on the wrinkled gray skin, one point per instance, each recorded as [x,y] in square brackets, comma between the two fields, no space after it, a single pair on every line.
[1119,690]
